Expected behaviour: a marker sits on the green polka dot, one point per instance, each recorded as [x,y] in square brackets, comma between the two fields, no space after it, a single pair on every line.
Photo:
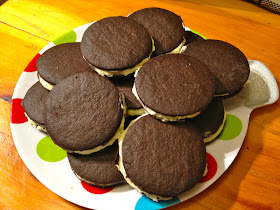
[66,38]
[232,128]
[204,37]
[48,151]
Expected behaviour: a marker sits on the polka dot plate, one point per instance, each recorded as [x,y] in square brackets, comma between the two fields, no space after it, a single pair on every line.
[50,166]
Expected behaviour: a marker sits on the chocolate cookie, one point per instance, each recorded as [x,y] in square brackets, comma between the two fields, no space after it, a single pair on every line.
[97,169]
[161,159]
[33,104]
[165,27]
[192,37]
[116,46]
[60,62]
[125,84]
[228,64]
[84,113]
[174,86]
[211,121]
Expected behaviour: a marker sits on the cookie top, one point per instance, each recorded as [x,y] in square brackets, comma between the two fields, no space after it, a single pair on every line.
[34,102]
[175,85]
[228,64]
[162,159]
[116,43]
[60,62]
[83,111]
[210,122]
[165,27]
[125,84]
[97,169]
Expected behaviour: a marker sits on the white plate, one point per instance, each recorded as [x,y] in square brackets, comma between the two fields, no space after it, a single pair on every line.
[261,90]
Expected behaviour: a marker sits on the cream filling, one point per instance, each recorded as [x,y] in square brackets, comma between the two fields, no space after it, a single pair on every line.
[125,72]
[113,139]
[162,117]
[122,170]
[206,170]
[36,125]
[183,49]
[45,84]
[179,48]
[214,136]
[225,94]
[135,112]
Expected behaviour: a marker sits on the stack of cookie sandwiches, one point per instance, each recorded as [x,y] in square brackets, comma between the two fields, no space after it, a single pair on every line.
[136,101]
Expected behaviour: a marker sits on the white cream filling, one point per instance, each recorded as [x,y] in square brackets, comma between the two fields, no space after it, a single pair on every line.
[136,112]
[113,139]
[122,170]
[36,125]
[45,84]
[214,136]
[179,48]
[125,72]
[225,94]
[206,170]
[162,117]
[183,49]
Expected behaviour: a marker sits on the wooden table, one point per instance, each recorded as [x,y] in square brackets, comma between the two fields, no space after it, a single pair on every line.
[26,26]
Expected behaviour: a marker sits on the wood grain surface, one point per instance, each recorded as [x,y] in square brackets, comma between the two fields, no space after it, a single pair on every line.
[26,26]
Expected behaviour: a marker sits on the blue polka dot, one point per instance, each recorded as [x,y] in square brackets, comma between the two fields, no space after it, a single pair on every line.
[148,204]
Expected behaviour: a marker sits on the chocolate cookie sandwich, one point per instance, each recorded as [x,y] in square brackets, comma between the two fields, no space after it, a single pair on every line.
[60,62]
[174,87]
[165,27]
[84,113]
[211,121]
[116,46]
[125,84]
[227,63]
[33,104]
[160,159]
[97,169]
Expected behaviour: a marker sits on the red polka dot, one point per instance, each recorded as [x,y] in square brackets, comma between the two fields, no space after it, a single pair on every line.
[96,190]
[32,65]
[211,167]
[17,111]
